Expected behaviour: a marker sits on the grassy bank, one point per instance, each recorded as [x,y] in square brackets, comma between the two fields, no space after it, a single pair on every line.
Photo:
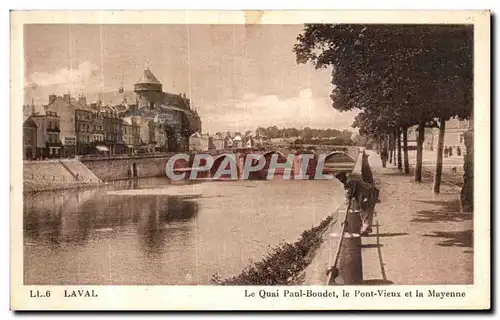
[283,264]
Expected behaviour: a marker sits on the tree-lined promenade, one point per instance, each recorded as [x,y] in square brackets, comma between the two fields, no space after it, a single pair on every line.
[399,76]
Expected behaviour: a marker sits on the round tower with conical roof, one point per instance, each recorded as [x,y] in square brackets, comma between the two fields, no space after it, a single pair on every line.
[149,89]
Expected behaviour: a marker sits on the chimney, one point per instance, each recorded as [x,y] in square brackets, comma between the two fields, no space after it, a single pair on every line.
[82,99]
[33,106]
[67,97]
[52,98]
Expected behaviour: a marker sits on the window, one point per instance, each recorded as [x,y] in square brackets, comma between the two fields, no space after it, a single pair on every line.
[462,138]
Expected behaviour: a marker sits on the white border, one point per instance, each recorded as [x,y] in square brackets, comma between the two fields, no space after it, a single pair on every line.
[216,298]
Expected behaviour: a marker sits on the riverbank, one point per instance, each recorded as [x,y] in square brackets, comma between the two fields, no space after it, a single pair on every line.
[284,264]
[29,188]
[52,175]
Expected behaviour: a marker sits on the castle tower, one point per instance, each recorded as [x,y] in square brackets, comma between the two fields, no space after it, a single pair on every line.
[148,82]
[148,88]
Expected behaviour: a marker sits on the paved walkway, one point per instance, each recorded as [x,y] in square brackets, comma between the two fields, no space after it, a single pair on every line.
[419,237]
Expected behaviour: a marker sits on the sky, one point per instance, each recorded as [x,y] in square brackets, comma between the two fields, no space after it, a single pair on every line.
[238,77]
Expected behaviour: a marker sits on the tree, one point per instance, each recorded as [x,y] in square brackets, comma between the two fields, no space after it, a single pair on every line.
[455,92]
[393,67]
[467,193]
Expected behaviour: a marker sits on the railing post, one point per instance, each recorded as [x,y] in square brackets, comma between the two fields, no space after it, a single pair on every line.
[350,266]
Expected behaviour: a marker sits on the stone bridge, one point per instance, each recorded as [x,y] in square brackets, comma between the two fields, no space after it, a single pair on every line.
[122,167]
[333,159]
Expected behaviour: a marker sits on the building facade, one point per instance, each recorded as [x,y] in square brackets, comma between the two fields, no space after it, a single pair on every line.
[84,124]
[130,134]
[453,136]
[157,121]
[113,136]
[53,142]
[170,120]
[63,107]
[41,136]
[29,139]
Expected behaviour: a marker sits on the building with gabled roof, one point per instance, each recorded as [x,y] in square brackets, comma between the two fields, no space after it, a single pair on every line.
[65,109]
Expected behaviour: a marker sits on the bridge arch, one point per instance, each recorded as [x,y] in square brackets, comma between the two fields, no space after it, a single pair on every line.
[267,153]
[218,162]
[282,158]
[338,161]
[310,170]
[339,155]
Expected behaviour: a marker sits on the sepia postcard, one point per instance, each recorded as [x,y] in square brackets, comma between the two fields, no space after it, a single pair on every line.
[250,160]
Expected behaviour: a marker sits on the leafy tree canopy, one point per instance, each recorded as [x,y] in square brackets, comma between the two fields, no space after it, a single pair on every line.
[398,75]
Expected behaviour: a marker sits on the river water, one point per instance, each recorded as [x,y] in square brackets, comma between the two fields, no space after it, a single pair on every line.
[151,231]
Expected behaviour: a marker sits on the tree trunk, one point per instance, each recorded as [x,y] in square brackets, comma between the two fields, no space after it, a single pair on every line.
[400,160]
[390,147]
[467,193]
[394,140]
[420,144]
[405,150]
[439,158]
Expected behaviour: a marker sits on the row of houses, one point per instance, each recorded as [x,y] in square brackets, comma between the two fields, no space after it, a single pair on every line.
[145,121]
[228,140]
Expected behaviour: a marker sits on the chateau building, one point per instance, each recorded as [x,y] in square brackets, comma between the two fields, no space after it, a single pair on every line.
[167,117]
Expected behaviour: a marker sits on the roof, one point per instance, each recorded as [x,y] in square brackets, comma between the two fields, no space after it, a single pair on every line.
[29,123]
[78,105]
[172,108]
[73,103]
[148,77]
[121,98]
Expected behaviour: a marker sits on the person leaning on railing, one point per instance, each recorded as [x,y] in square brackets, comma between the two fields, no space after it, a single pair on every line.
[365,194]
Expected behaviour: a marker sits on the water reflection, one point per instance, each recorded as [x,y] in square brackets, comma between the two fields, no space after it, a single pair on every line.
[146,237]
[74,217]
[164,218]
